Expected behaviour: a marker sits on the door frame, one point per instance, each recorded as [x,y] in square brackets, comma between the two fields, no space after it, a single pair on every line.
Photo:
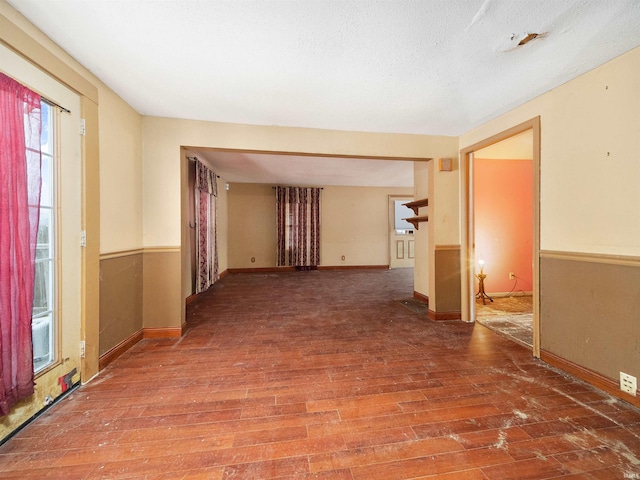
[390,229]
[467,251]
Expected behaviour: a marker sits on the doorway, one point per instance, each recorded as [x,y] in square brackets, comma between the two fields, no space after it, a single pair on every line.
[401,240]
[501,233]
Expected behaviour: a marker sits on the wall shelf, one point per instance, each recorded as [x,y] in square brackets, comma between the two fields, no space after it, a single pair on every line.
[415,221]
[415,205]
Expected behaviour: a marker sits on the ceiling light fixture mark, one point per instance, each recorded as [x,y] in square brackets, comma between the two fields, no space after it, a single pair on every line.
[527,39]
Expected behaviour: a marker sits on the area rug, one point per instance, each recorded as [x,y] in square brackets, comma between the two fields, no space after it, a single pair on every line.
[518,327]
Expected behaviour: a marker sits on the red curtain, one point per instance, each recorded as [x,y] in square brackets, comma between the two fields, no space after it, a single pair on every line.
[20,157]
[298,223]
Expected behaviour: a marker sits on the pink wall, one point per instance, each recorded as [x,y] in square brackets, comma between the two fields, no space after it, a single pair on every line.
[503,196]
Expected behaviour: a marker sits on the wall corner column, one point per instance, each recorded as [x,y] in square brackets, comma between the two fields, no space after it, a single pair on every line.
[90,333]
[444,241]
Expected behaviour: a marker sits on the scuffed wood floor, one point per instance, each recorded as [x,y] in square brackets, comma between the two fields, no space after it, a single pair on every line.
[326,375]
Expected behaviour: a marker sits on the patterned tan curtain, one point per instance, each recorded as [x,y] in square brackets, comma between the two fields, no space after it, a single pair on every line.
[206,227]
[298,221]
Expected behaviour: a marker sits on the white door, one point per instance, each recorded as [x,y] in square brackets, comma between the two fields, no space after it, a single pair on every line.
[401,241]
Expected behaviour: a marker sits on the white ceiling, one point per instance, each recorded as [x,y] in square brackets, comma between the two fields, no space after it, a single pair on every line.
[297,170]
[438,67]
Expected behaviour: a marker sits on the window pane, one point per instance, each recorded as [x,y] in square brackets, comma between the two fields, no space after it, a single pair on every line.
[46,172]
[45,235]
[46,135]
[42,288]
[42,333]
[43,324]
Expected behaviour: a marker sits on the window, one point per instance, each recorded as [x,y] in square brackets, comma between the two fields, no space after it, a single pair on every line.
[401,212]
[43,322]
[298,226]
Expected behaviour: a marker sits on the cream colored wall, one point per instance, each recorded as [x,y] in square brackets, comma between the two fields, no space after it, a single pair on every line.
[590,200]
[444,211]
[120,174]
[163,137]
[354,223]
[252,225]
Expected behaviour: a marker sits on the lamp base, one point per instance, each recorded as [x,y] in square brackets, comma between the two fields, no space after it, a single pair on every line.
[481,293]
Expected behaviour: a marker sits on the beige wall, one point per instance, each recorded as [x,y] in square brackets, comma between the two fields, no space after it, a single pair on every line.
[589,164]
[252,225]
[121,261]
[163,138]
[120,298]
[598,328]
[589,213]
[121,182]
[354,223]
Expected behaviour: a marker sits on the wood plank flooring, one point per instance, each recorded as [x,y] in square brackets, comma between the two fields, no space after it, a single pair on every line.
[326,375]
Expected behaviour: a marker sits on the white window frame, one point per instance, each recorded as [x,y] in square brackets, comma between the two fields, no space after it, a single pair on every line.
[44,320]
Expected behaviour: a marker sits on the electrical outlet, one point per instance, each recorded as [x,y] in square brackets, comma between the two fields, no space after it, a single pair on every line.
[628,383]
[512,275]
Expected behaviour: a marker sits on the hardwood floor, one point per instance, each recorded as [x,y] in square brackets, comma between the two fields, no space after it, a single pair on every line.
[326,375]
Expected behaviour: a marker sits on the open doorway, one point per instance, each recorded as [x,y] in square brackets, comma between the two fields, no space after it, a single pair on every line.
[355,201]
[503,236]
[401,238]
[501,247]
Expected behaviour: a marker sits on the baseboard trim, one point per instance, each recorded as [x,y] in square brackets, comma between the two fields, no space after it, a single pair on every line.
[320,267]
[166,332]
[353,267]
[110,355]
[262,270]
[421,297]
[525,293]
[193,296]
[588,376]
[163,332]
[190,298]
[439,316]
